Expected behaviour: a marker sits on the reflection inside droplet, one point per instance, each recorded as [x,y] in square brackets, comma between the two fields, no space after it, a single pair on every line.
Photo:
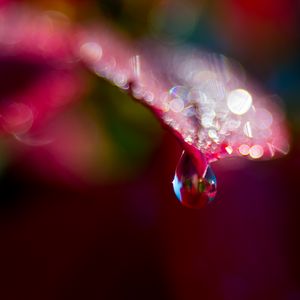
[192,188]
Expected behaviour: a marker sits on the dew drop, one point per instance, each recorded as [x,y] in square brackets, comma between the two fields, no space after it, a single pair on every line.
[239,101]
[194,183]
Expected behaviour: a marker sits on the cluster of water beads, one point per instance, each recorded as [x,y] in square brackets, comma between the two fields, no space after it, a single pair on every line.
[221,126]
[222,122]
[227,120]
[204,101]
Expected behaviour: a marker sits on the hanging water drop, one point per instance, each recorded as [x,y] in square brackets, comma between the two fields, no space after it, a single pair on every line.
[194,183]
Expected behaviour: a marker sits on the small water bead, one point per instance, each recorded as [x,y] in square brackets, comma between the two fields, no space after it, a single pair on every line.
[189,139]
[138,92]
[265,118]
[244,149]
[90,52]
[179,92]
[107,69]
[148,96]
[256,151]
[194,183]
[120,80]
[189,112]
[207,119]
[176,105]
[239,101]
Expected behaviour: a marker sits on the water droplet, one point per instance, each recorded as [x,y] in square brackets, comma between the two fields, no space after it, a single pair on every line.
[194,183]
[239,101]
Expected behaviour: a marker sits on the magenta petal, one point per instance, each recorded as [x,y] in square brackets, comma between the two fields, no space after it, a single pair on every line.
[199,96]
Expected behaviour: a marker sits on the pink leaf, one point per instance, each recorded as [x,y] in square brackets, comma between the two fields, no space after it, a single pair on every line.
[201,97]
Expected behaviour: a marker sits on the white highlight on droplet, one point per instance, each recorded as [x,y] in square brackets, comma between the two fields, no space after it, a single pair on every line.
[271,149]
[248,130]
[188,139]
[176,105]
[239,101]
[136,65]
[91,51]
[229,149]
[148,96]
[212,133]
[256,151]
